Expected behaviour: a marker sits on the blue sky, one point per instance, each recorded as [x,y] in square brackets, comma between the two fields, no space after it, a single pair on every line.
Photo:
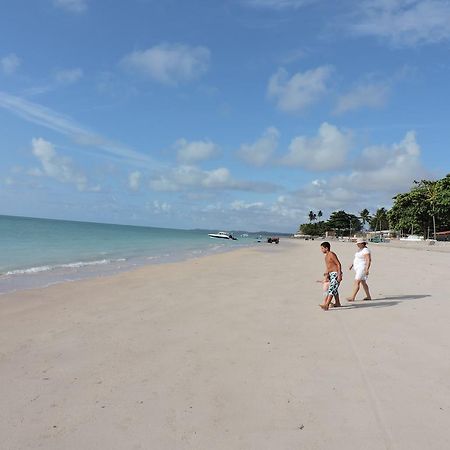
[232,114]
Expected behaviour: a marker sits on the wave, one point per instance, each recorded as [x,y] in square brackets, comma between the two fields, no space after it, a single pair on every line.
[74,265]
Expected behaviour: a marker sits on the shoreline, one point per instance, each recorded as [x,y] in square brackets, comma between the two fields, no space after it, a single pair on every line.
[33,278]
[231,351]
[73,272]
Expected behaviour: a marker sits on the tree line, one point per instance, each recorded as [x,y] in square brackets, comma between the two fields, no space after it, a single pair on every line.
[424,210]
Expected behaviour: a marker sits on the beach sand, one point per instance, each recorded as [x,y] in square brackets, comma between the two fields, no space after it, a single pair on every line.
[232,351]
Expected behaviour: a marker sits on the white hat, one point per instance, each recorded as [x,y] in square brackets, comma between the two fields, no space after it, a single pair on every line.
[361,241]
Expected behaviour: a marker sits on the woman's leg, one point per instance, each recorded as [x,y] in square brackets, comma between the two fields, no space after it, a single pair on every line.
[366,289]
[355,291]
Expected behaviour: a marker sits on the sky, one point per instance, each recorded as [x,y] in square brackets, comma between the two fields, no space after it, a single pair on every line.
[219,114]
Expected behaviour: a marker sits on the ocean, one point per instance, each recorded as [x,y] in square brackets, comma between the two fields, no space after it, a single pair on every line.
[39,252]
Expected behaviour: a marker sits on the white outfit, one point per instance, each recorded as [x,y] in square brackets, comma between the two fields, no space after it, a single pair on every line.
[359,264]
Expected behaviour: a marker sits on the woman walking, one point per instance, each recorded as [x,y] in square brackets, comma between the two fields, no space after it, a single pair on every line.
[361,266]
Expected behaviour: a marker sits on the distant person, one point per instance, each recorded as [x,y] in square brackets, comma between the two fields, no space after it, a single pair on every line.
[334,270]
[361,265]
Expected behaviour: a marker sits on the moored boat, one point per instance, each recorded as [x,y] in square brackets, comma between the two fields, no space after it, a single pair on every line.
[222,235]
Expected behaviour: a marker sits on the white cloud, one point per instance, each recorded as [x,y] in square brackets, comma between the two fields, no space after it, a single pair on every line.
[404,22]
[9,63]
[260,151]
[283,213]
[239,214]
[191,152]
[187,177]
[379,174]
[322,196]
[73,6]
[68,76]
[370,95]
[60,78]
[134,180]
[284,210]
[54,166]
[239,205]
[277,4]
[391,169]
[292,56]
[326,151]
[161,207]
[169,63]
[299,91]
[58,122]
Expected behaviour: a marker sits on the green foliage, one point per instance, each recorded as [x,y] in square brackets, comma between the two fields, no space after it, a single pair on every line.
[365,216]
[339,221]
[344,223]
[314,229]
[379,221]
[425,208]
[422,210]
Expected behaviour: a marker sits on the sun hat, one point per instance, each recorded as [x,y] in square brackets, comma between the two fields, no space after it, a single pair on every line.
[361,241]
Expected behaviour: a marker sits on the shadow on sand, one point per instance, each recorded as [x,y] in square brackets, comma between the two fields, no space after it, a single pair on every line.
[381,302]
[403,297]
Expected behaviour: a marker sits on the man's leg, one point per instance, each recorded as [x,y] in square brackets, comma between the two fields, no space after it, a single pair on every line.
[332,291]
[326,304]
[337,303]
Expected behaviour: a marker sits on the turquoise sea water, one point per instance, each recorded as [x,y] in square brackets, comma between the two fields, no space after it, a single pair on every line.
[38,252]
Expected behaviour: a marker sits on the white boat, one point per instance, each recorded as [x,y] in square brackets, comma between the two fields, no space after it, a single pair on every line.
[222,235]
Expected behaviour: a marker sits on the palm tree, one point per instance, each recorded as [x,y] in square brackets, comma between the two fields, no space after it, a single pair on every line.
[365,216]
[319,214]
[380,220]
[311,216]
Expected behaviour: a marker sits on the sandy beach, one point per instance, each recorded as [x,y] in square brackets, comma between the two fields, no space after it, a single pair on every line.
[232,351]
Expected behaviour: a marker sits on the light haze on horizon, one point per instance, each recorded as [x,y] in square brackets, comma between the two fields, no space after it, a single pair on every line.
[233,114]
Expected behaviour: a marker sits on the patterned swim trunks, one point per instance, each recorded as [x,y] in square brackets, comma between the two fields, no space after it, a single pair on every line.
[334,284]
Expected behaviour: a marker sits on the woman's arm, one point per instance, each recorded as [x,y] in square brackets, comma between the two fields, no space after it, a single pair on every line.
[368,259]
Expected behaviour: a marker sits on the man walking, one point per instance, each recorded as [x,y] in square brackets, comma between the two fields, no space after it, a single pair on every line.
[333,267]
